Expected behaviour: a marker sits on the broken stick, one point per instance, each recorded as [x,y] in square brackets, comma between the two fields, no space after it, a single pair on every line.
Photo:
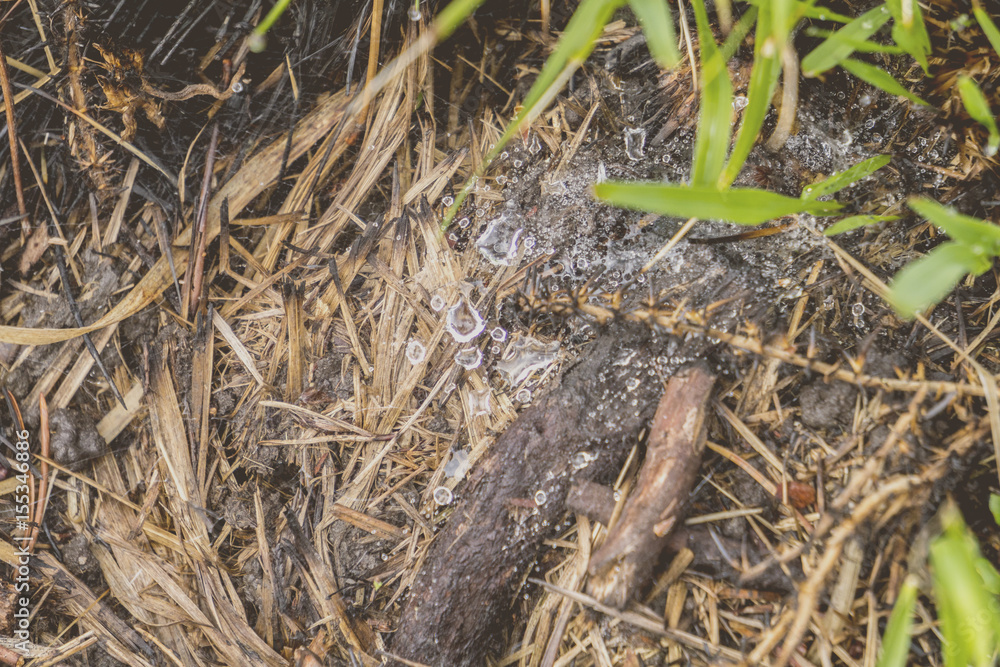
[625,561]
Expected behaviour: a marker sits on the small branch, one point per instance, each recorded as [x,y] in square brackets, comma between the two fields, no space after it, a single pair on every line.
[677,438]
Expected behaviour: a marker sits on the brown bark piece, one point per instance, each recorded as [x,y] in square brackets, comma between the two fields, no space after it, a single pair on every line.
[463,595]
[676,441]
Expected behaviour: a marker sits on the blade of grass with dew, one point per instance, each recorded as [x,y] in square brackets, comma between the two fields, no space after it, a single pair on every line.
[711,143]
[988,26]
[658,27]
[879,78]
[819,13]
[575,45]
[856,222]
[931,278]
[839,45]
[772,32]
[962,228]
[899,631]
[909,31]
[977,106]
[842,179]
[745,206]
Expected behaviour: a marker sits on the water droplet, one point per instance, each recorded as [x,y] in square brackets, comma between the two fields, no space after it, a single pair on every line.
[534,146]
[503,156]
[632,384]
[443,495]
[498,243]
[635,143]
[385,557]
[518,163]
[526,355]
[858,309]
[415,352]
[602,172]
[740,102]
[469,357]
[464,323]
[437,303]
[582,459]
[414,12]
[237,87]
[523,396]
[479,402]
[513,179]
[499,334]
[457,465]
[447,200]
[541,497]
[618,495]
[464,223]
[870,123]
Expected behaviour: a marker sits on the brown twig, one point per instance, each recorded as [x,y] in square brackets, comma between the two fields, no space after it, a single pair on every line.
[15,164]
[676,441]
[38,515]
[196,270]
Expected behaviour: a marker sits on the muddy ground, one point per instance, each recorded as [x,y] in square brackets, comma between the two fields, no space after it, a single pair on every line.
[359,438]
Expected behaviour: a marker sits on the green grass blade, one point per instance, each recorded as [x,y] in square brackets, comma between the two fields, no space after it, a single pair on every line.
[909,31]
[658,26]
[763,80]
[840,45]
[969,614]
[879,78]
[745,206]
[258,40]
[823,14]
[739,32]
[575,45]
[856,222]
[711,142]
[452,16]
[932,277]
[899,630]
[995,507]
[987,24]
[842,179]
[977,106]
[861,46]
[962,228]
